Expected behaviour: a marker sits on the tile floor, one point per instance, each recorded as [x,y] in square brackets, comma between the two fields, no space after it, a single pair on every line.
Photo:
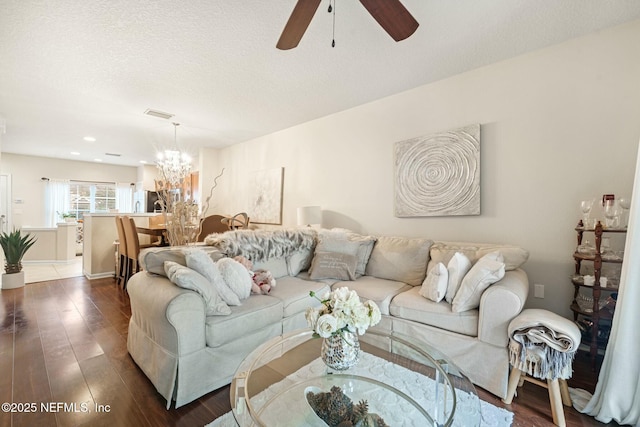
[39,272]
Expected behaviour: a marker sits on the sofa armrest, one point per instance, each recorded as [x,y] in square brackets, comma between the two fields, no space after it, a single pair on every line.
[170,316]
[500,303]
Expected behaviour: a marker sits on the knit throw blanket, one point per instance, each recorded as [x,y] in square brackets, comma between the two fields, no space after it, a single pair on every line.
[543,344]
[261,245]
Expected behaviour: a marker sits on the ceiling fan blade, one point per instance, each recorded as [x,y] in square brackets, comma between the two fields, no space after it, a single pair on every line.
[297,23]
[393,17]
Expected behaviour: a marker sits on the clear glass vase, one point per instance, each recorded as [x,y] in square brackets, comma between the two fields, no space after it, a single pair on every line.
[341,350]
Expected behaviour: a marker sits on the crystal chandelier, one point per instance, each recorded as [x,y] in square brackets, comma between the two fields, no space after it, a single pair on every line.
[174,164]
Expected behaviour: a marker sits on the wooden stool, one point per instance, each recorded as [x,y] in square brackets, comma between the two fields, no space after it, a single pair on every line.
[542,345]
[558,393]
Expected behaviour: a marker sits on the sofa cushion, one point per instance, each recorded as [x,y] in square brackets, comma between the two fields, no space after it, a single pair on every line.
[187,278]
[458,267]
[399,258]
[276,266]
[294,294]
[487,271]
[514,256]
[380,291]
[258,310]
[305,276]
[299,260]
[434,286]
[333,265]
[152,259]
[410,305]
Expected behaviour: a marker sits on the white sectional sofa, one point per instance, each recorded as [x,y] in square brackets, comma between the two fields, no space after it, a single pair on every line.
[186,353]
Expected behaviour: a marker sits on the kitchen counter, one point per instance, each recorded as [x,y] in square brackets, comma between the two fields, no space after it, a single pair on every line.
[100,235]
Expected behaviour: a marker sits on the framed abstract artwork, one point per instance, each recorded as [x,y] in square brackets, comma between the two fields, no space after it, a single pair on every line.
[439,174]
[265,196]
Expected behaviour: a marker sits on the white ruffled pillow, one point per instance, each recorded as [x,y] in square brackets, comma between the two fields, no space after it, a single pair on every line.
[190,279]
[484,273]
[434,286]
[199,261]
[236,276]
[458,267]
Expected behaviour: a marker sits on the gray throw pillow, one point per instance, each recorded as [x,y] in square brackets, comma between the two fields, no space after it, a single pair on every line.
[333,265]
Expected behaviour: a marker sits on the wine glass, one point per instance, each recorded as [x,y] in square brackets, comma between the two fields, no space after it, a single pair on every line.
[625,204]
[585,207]
[611,215]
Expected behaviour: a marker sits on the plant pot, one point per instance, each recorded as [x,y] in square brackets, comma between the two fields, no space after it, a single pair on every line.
[13,280]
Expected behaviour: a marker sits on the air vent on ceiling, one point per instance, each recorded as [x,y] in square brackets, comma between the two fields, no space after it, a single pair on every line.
[112,154]
[158,113]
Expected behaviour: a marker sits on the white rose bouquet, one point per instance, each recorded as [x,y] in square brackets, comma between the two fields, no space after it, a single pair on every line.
[341,310]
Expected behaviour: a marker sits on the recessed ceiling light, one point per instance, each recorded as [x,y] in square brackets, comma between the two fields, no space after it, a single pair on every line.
[144,162]
[89,139]
[97,160]
[158,113]
[75,153]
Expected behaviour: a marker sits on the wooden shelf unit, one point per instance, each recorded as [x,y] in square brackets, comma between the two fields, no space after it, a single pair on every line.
[596,314]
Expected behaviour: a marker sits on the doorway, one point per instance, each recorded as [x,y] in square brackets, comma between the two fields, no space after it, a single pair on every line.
[5,203]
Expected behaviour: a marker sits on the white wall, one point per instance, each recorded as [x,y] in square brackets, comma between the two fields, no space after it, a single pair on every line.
[557,126]
[27,186]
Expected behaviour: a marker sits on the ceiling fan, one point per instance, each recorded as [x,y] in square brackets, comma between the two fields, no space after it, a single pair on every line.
[392,16]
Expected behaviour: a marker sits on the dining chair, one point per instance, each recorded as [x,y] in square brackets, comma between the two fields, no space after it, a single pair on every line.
[123,257]
[154,221]
[211,224]
[237,222]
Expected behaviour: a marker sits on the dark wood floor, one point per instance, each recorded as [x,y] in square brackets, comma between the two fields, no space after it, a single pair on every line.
[63,344]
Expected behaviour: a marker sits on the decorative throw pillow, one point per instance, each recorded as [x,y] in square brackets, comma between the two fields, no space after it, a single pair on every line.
[152,259]
[336,241]
[190,279]
[484,273]
[364,250]
[458,267]
[236,276]
[434,286]
[203,264]
[333,265]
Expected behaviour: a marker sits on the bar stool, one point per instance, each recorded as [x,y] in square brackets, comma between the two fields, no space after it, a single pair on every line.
[123,255]
[542,346]
[133,247]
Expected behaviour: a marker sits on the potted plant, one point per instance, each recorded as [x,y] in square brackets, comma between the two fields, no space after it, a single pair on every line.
[14,245]
[69,217]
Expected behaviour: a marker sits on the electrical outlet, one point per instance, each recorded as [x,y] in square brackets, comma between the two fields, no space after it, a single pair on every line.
[538,290]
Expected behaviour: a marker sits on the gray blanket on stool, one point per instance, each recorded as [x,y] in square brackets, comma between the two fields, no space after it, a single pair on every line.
[543,344]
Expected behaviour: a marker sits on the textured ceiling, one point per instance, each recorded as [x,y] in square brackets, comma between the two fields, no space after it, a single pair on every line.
[70,69]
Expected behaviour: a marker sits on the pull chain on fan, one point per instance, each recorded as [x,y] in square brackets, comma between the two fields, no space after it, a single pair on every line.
[330,10]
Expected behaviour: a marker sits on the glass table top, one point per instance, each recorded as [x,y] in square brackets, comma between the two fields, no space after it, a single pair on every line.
[402,380]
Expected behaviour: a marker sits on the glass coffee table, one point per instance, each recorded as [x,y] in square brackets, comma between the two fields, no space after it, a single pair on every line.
[404,381]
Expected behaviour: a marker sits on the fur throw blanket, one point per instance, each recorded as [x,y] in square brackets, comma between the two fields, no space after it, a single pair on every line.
[261,245]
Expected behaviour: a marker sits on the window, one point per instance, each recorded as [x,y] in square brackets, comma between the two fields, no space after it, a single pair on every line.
[91,197]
